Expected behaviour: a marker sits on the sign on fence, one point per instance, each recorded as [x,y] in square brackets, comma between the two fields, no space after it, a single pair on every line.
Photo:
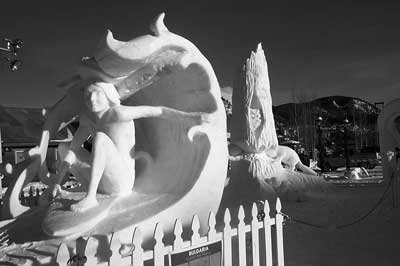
[206,255]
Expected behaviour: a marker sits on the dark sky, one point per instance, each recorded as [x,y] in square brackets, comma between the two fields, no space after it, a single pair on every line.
[313,48]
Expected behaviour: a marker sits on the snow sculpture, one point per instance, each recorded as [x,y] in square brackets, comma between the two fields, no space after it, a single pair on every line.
[181,164]
[389,136]
[256,156]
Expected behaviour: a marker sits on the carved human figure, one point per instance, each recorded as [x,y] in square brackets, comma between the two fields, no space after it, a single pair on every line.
[110,167]
[290,159]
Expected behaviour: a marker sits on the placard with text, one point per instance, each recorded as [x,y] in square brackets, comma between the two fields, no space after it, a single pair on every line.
[206,255]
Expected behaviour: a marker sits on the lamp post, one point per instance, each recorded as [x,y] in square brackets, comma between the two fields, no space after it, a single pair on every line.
[10,53]
[321,164]
[346,153]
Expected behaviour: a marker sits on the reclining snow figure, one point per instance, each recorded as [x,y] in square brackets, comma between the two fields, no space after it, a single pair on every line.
[257,158]
[181,164]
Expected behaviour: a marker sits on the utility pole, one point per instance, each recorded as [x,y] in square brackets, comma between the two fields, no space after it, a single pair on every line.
[321,148]
[346,153]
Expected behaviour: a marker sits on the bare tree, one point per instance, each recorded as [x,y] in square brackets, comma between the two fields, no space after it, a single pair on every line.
[303,117]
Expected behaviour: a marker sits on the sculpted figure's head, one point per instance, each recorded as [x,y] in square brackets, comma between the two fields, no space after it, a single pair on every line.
[100,96]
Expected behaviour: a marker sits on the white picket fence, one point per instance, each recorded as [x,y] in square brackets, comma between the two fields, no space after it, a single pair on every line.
[258,243]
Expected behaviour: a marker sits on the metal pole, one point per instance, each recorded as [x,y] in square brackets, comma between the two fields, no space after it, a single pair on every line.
[320,149]
[346,153]
[394,190]
[395,181]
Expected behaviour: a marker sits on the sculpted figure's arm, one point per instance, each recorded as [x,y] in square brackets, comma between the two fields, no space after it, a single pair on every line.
[126,113]
[81,135]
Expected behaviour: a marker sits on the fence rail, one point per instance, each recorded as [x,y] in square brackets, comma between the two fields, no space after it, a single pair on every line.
[258,243]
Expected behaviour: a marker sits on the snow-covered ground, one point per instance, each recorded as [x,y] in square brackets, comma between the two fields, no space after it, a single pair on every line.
[372,241]
[331,240]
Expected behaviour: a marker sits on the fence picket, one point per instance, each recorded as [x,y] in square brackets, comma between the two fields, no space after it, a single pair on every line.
[212,233]
[279,233]
[159,246]
[116,257]
[267,235]
[227,239]
[137,253]
[195,229]
[254,236]
[63,254]
[242,237]
[90,247]
[178,230]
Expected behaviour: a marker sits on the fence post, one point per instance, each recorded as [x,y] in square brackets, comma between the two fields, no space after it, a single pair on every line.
[267,234]
[279,233]
[159,246]
[137,254]
[227,239]
[242,237]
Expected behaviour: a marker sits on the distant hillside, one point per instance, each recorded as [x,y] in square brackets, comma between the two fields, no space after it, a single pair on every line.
[333,110]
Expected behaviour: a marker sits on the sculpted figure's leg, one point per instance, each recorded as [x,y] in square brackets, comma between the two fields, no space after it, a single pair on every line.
[80,169]
[110,172]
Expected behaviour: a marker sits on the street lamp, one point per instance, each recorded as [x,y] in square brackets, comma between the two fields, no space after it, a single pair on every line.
[346,153]
[10,53]
[318,121]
